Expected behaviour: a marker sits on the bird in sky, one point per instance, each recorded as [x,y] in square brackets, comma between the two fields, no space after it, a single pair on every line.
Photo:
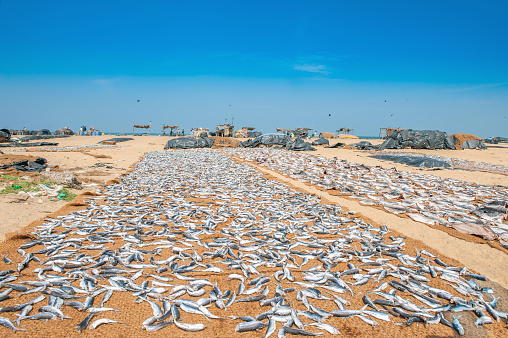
[139,100]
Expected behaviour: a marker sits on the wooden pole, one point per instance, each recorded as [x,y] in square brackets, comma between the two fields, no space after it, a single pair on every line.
[133,128]
[149,127]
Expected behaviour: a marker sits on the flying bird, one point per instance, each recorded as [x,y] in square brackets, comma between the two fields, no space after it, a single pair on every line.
[139,100]
[329,114]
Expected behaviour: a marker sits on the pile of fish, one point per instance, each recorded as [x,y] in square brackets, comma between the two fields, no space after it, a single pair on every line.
[456,163]
[191,238]
[470,208]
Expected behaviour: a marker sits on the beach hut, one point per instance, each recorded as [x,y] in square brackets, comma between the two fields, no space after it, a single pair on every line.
[171,129]
[142,126]
[225,130]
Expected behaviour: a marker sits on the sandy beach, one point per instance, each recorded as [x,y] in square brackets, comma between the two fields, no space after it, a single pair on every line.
[98,166]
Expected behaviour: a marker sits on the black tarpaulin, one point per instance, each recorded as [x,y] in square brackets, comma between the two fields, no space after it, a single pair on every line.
[473,144]
[320,141]
[414,161]
[364,145]
[336,145]
[117,139]
[189,143]
[267,140]
[41,137]
[418,139]
[38,165]
[299,145]
[254,133]
[496,140]
[5,135]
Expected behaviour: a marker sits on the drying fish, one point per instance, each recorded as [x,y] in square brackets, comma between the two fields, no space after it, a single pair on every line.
[427,199]
[99,322]
[169,229]
[8,324]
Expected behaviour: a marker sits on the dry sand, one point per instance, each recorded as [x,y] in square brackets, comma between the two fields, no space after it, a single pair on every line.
[82,162]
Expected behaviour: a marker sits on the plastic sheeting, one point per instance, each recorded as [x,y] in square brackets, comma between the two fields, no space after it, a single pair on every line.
[418,139]
[496,140]
[336,145]
[43,132]
[414,161]
[473,144]
[5,135]
[38,165]
[189,143]
[267,140]
[320,141]
[364,145]
[41,137]
[117,139]
[253,134]
[63,131]
[299,145]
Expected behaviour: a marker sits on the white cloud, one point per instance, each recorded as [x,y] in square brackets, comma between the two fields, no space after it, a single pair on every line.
[320,69]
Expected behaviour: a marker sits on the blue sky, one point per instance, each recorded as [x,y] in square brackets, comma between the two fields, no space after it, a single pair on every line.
[437,64]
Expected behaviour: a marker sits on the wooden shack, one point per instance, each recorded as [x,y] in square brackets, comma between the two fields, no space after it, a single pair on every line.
[344,130]
[225,130]
[142,126]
